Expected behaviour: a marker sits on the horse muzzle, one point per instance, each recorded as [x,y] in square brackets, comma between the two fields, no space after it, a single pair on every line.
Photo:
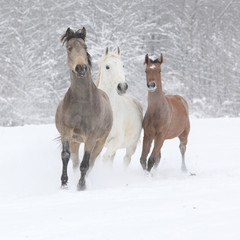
[81,69]
[152,86]
[122,88]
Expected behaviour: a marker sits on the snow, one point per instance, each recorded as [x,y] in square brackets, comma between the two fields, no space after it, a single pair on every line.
[118,203]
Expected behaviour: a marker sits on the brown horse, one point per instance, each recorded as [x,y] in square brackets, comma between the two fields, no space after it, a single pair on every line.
[166,117]
[84,114]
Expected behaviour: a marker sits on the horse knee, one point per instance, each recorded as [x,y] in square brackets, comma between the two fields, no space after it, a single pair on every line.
[85,163]
[65,151]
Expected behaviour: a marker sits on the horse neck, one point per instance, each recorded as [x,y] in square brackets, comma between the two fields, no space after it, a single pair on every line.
[157,98]
[111,92]
[82,88]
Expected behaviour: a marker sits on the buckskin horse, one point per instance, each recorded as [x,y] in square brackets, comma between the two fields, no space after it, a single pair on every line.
[84,114]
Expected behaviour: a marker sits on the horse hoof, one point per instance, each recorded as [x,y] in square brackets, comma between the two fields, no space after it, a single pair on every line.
[64,186]
[144,167]
[81,185]
[184,169]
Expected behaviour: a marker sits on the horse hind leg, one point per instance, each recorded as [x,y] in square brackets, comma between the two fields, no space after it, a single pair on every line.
[96,151]
[84,166]
[129,152]
[74,149]
[182,147]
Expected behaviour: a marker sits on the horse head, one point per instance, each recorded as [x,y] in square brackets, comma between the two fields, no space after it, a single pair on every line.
[153,73]
[111,74]
[78,58]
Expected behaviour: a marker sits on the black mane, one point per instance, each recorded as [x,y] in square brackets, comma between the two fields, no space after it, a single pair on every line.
[71,34]
[154,61]
[89,58]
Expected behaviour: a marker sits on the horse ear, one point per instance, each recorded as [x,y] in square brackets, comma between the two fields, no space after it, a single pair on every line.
[106,51]
[161,59]
[84,32]
[118,50]
[69,32]
[146,59]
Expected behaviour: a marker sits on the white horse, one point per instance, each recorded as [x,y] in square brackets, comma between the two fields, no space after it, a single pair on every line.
[127,111]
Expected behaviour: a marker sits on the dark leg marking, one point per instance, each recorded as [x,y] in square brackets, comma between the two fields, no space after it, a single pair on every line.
[84,168]
[151,162]
[65,159]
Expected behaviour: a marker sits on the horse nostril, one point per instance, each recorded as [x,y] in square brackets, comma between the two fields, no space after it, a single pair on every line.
[151,84]
[119,87]
[81,69]
[126,86]
[78,68]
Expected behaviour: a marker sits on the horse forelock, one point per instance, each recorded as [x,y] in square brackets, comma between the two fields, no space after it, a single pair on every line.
[78,34]
[104,57]
[154,61]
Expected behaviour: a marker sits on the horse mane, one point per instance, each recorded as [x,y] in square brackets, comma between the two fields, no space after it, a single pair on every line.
[98,78]
[89,58]
[154,61]
[71,34]
[112,54]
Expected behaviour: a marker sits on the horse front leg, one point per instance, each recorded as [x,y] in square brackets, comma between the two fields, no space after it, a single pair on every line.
[65,159]
[147,142]
[84,166]
[96,151]
[155,157]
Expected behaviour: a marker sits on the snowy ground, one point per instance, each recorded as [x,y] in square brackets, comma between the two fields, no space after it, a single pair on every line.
[122,204]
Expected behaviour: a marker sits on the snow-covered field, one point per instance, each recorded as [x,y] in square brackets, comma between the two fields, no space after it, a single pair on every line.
[121,204]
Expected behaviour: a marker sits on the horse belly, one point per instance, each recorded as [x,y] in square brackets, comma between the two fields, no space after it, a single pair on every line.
[177,127]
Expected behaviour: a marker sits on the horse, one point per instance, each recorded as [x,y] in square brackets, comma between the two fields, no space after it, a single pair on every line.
[166,117]
[84,115]
[127,110]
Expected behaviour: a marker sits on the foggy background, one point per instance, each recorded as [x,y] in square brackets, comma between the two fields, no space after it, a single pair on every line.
[199,40]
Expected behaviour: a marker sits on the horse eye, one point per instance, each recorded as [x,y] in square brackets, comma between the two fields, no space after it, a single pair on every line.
[69,49]
[107,67]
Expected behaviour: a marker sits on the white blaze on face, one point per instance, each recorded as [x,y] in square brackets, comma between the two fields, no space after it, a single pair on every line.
[152,67]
